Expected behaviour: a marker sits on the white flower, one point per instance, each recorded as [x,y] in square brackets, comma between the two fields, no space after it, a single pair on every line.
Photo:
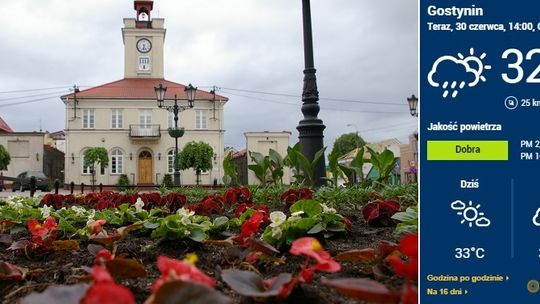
[326,209]
[91,214]
[46,211]
[276,232]
[277,218]
[80,211]
[138,205]
[185,212]
[185,215]
[185,220]
[15,202]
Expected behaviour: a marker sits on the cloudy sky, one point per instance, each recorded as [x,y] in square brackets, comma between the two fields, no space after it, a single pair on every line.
[365,55]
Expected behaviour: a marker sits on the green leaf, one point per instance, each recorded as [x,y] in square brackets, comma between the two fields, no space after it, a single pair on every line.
[315,229]
[66,226]
[198,235]
[310,207]
[305,223]
[151,224]
[219,221]
[405,217]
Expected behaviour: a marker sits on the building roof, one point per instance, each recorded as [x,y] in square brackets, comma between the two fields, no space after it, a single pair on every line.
[238,154]
[4,127]
[140,88]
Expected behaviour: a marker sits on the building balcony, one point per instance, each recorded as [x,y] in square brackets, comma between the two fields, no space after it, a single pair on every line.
[146,132]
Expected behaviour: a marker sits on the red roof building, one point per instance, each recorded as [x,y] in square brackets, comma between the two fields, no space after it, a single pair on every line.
[4,127]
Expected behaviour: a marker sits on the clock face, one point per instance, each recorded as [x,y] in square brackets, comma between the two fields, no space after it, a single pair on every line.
[144,45]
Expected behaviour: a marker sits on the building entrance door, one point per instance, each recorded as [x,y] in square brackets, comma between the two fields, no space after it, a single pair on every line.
[145,167]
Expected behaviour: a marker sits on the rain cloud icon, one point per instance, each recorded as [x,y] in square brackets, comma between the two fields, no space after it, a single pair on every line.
[469,69]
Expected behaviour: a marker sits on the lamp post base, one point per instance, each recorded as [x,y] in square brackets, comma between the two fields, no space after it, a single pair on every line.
[176,175]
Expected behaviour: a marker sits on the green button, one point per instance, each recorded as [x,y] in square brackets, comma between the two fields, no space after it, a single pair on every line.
[467,150]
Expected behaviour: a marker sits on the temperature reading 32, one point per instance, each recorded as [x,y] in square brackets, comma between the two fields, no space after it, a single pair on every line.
[470,252]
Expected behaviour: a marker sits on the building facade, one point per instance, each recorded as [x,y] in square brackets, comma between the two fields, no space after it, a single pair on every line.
[26,151]
[122,116]
[260,142]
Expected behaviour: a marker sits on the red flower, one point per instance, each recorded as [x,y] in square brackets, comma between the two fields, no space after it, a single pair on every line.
[97,226]
[379,213]
[103,256]
[237,196]
[311,247]
[208,205]
[407,268]
[105,290]
[172,270]
[250,227]
[174,200]
[43,232]
[51,199]
[241,208]
[102,204]
[291,196]
[409,294]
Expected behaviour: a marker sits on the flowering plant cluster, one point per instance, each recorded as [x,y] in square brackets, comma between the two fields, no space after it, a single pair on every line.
[306,217]
[99,218]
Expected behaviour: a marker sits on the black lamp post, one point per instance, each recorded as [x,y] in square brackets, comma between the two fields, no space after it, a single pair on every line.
[311,128]
[175,109]
[413,105]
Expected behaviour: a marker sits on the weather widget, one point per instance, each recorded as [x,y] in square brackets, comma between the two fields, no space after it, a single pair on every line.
[479,151]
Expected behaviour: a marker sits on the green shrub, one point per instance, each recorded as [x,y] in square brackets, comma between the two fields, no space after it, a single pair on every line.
[123,182]
[406,195]
[167,181]
[343,198]
[270,195]
[193,194]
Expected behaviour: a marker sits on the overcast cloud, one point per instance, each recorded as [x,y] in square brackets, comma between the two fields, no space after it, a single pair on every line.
[364,51]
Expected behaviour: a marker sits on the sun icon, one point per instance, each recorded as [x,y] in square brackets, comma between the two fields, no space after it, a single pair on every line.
[476,63]
[470,214]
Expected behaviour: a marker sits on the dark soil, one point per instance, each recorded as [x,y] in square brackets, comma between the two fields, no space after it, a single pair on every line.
[71,267]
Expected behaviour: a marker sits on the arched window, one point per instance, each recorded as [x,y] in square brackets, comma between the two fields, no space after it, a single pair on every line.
[117,161]
[85,170]
[170,161]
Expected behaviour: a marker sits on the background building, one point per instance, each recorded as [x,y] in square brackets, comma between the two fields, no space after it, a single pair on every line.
[122,116]
[261,142]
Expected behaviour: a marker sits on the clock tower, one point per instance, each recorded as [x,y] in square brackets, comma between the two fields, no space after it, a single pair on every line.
[143,43]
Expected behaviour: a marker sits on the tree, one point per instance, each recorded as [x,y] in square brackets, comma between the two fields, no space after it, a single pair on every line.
[5,158]
[196,155]
[93,156]
[346,143]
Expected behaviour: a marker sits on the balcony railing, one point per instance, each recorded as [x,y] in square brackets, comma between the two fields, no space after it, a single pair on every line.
[144,131]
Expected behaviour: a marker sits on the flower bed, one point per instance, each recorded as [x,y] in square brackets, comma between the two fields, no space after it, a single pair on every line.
[214,247]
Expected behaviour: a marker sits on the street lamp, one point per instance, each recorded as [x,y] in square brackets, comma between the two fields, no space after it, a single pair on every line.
[175,109]
[311,128]
[413,105]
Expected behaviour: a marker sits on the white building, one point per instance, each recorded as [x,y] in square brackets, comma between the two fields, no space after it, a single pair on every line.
[122,116]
